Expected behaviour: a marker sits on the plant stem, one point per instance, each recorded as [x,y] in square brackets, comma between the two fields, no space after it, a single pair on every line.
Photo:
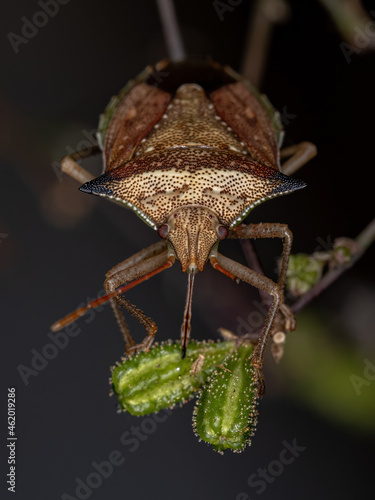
[363,241]
[349,16]
[265,14]
[171,30]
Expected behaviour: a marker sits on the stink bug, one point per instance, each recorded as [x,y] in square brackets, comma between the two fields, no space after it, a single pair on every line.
[192,148]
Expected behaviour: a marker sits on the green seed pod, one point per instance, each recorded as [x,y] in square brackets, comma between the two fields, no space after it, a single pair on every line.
[149,381]
[225,415]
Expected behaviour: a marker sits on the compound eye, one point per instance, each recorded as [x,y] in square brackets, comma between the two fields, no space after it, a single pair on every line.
[163,231]
[222,231]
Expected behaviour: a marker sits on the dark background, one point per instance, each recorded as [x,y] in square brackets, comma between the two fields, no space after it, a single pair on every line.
[57,244]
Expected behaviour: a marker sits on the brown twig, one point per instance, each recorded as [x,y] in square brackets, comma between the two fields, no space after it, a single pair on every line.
[265,14]
[171,30]
[350,18]
[363,241]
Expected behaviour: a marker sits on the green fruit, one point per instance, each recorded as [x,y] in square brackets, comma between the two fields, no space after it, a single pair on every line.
[303,272]
[225,415]
[149,381]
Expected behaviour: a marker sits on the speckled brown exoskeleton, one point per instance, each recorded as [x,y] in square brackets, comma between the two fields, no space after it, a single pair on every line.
[192,148]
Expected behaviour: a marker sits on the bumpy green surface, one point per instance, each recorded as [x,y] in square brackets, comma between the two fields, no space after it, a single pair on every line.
[303,272]
[226,415]
[159,378]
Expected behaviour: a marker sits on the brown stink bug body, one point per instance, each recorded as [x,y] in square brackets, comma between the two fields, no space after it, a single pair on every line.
[192,148]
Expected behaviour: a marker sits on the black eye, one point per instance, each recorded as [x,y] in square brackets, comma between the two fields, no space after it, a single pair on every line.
[163,231]
[222,231]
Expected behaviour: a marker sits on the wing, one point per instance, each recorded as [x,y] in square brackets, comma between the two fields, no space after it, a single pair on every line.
[135,116]
[240,109]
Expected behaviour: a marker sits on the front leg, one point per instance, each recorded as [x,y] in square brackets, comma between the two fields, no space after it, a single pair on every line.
[273,230]
[140,264]
[236,270]
[268,230]
[133,271]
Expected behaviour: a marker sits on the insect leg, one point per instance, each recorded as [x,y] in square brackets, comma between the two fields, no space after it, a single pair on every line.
[300,154]
[70,166]
[268,230]
[235,270]
[146,260]
[139,270]
[272,230]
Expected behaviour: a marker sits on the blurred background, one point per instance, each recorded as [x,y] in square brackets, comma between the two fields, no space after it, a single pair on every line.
[56,244]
